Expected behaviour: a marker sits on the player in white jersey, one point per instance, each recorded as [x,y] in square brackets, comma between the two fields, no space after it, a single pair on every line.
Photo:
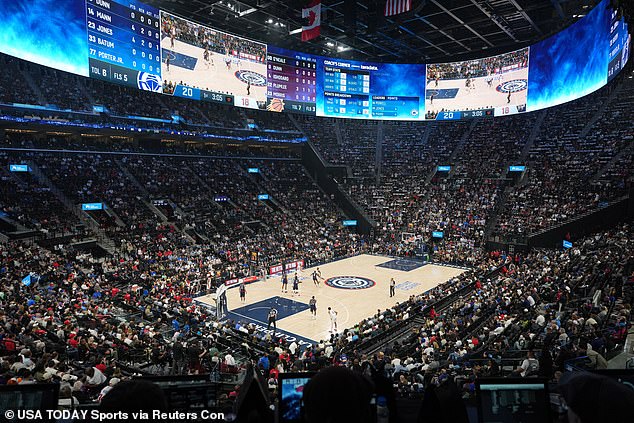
[333,319]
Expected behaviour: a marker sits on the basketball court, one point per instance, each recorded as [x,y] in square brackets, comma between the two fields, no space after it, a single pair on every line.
[188,65]
[453,94]
[355,287]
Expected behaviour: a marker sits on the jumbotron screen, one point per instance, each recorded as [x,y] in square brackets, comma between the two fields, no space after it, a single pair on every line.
[131,43]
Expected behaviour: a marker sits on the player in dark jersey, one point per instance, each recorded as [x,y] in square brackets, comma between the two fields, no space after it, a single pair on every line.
[167,62]
[313,307]
[248,88]
[284,282]
[243,292]
[296,284]
[315,278]
[508,98]
[206,57]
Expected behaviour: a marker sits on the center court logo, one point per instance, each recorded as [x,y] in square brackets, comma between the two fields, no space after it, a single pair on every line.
[514,86]
[148,82]
[350,282]
[256,79]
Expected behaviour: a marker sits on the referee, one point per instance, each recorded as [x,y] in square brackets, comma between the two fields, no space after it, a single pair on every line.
[272,319]
[392,287]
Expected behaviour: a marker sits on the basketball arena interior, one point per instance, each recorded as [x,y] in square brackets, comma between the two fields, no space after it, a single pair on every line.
[305,211]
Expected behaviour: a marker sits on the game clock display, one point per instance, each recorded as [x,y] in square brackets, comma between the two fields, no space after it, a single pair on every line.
[124,43]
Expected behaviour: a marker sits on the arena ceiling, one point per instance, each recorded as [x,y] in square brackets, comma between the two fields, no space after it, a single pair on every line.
[434,31]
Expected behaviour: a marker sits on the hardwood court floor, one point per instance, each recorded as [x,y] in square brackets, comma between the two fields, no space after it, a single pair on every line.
[352,305]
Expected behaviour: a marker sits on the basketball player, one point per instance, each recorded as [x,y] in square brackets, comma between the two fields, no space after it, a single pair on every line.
[431,99]
[508,98]
[167,62]
[228,63]
[284,282]
[313,307]
[272,319]
[315,278]
[172,35]
[248,87]
[319,274]
[243,292]
[206,57]
[295,284]
[392,287]
[333,320]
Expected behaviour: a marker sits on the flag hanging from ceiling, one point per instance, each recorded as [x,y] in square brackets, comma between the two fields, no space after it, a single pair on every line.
[312,12]
[395,7]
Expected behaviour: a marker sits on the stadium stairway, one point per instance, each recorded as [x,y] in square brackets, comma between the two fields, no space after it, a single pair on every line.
[31,83]
[615,90]
[86,92]
[338,133]
[141,188]
[102,238]
[147,200]
[379,152]
[629,150]
[463,141]
[324,177]
[533,135]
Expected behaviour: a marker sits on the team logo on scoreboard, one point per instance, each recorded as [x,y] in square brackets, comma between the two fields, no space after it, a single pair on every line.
[256,79]
[148,82]
[350,282]
[513,86]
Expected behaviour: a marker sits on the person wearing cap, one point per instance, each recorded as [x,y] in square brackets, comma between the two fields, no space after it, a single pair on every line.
[596,398]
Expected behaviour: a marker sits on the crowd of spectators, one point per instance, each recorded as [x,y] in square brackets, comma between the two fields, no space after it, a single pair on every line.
[567,162]
[216,41]
[480,67]
[70,98]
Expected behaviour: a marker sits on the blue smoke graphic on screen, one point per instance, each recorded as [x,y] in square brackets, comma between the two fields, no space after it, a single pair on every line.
[572,63]
[401,80]
[49,32]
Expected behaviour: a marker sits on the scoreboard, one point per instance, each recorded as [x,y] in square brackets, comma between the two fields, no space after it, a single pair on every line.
[124,43]
[363,90]
[141,46]
[292,77]
[620,41]
[346,91]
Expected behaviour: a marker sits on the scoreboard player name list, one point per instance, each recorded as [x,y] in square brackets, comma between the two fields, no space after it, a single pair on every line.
[128,36]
